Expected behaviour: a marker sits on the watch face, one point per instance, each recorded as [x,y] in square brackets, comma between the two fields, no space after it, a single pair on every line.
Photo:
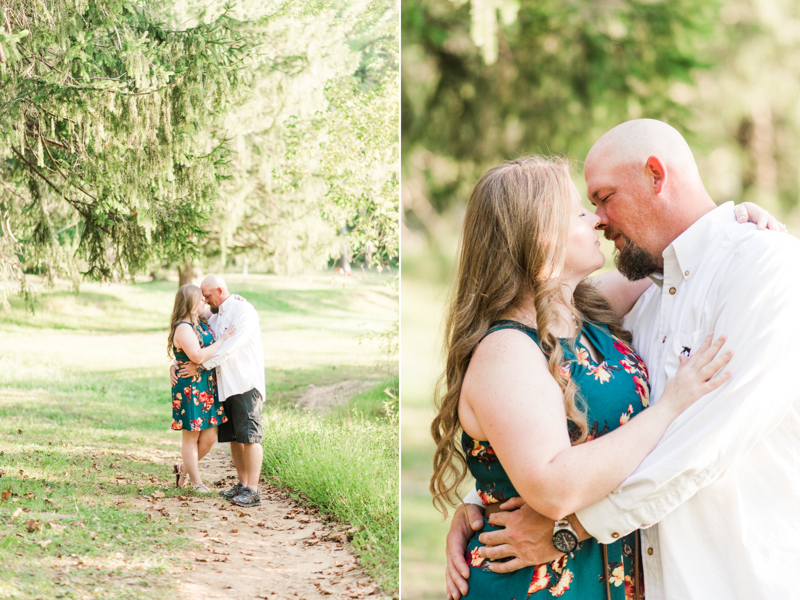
[565,541]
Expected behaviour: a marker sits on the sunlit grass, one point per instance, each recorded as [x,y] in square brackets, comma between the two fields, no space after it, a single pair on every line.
[348,466]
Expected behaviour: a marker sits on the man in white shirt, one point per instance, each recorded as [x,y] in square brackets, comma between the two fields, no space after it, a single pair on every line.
[240,383]
[723,483]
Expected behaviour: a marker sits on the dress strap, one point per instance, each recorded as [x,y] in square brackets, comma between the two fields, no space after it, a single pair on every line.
[509,324]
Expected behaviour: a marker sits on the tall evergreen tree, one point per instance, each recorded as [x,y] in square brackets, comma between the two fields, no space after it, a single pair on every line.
[106,162]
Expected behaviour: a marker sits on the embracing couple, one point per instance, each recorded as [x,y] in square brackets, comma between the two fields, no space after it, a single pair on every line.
[218,384]
[609,456]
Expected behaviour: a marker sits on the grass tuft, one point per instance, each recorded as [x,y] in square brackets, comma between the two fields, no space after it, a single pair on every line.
[346,465]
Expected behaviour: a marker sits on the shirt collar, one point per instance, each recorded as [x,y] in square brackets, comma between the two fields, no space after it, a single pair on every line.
[657,277]
[689,248]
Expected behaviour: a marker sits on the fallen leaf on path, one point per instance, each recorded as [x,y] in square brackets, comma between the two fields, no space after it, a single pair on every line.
[158,494]
[5,496]
[17,513]
[32,525]
[234,531]
[45,543]
[55,526]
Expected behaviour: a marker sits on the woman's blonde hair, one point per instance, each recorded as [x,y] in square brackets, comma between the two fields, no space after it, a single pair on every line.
[513,247]
[188,295]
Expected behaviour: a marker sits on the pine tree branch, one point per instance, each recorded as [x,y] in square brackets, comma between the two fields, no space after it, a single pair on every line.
[70,201]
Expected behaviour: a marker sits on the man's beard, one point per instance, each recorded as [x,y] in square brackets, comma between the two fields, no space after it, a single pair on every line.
[634,262]
[214,309]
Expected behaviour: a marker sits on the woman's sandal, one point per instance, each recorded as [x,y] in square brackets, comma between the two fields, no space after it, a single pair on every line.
[180,476]
[202,488]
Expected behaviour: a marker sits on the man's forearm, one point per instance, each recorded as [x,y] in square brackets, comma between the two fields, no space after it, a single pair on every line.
[576,525]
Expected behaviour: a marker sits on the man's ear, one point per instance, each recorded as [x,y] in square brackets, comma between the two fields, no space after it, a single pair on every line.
[656,172]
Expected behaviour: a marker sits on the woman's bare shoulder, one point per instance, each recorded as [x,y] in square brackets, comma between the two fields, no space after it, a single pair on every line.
[506,351]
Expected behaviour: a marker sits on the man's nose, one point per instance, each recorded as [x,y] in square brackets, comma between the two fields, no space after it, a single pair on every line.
[602,219]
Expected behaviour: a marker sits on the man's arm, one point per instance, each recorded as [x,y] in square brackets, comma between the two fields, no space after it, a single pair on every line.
[757,309]
[246,324]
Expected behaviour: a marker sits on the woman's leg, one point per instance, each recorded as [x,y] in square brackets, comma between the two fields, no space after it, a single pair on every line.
[189,454]
[206,442]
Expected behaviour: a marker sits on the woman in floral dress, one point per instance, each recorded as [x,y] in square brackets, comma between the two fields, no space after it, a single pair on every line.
[195,407]
[540,379]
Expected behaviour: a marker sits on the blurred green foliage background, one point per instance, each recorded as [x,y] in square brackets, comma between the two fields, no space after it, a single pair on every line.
[488,80]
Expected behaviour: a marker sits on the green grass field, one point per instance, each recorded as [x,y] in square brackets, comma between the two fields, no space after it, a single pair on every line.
[84,425]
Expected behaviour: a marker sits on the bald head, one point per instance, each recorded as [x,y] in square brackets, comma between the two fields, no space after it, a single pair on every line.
[633,142]
[214,281]
[215,291]
[643,179]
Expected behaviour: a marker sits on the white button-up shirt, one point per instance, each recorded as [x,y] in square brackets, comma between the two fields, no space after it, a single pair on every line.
[240,359]
[724,481]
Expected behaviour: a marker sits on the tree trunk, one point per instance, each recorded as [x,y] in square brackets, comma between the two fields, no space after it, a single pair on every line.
[344,261]
[185,274]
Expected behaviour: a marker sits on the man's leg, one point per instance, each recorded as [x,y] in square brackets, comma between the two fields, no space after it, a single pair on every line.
[249,435]
[253,457]
[239,460]
[226,433]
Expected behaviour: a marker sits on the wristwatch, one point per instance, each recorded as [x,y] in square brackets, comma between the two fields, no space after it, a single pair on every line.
[564,537]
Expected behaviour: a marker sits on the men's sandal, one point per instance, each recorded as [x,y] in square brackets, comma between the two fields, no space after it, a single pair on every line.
[247,498]
[233,492]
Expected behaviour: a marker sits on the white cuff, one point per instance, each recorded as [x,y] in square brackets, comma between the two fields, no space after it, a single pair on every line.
[473,498]
[605,522]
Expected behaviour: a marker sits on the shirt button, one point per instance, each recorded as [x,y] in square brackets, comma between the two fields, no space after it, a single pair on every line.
[650,551]
[664,340]
[672,291]
[686,273]
[615,535]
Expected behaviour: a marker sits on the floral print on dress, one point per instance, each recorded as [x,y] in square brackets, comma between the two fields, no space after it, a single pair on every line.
[614,389]
[194,399]
[540,579]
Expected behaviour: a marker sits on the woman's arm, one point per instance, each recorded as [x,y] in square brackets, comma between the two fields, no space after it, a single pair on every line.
[510,399]
[186,339]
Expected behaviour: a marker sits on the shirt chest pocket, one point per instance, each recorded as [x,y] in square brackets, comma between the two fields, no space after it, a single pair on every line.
[681,344]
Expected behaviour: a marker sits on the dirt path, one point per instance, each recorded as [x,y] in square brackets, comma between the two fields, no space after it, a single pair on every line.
[279,550]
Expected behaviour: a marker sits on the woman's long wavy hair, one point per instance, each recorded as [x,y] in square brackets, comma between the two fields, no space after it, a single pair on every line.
[188,295]
[513,247]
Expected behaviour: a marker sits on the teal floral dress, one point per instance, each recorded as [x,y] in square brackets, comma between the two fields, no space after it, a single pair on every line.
[614,390]
[194,399]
